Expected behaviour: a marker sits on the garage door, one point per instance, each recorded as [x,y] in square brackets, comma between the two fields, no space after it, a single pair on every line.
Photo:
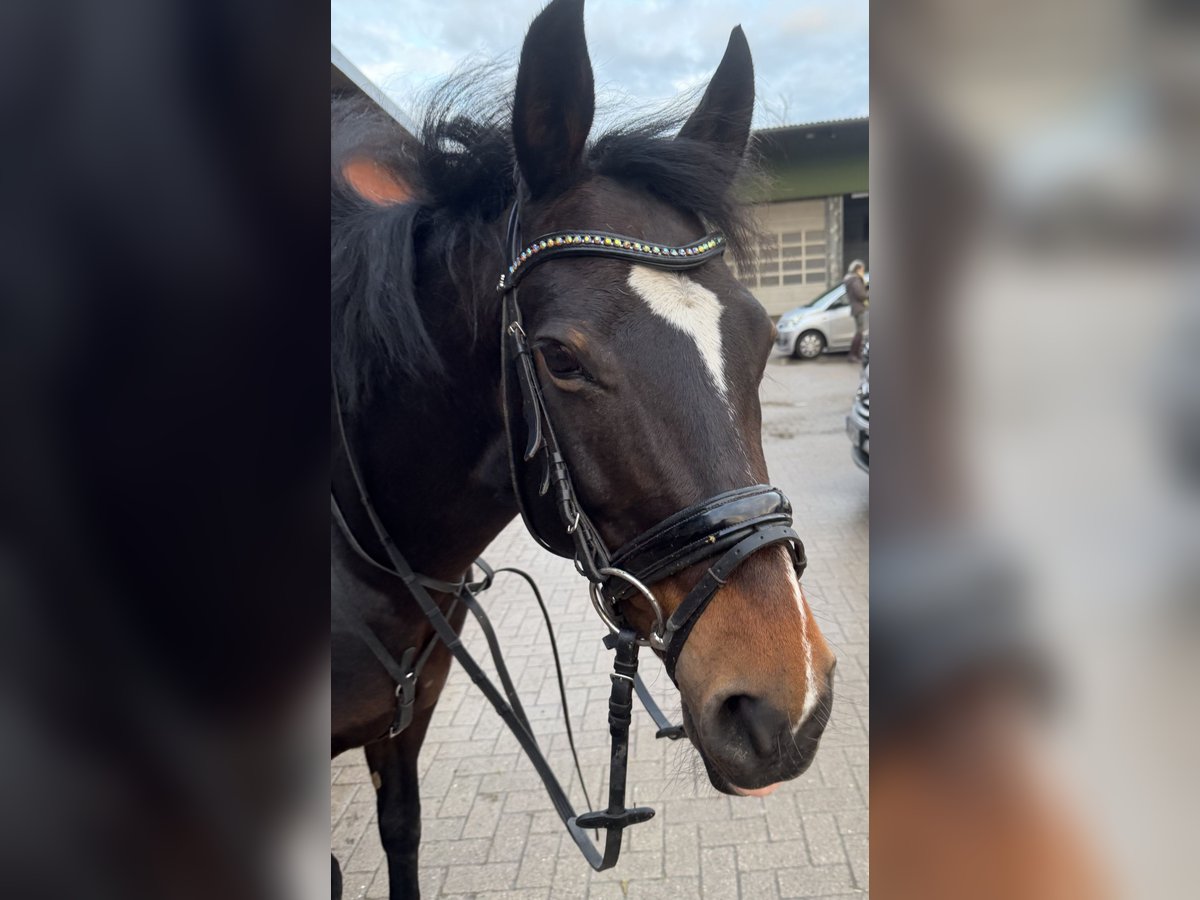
[793,261]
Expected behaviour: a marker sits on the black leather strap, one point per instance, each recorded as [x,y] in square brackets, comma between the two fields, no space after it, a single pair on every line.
[620,712]
[683,619]
[541,478]
[665,728]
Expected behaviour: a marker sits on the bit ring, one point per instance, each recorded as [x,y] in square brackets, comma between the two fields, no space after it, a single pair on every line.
[608,614]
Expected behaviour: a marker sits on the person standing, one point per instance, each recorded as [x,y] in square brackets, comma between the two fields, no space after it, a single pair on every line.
[856,290]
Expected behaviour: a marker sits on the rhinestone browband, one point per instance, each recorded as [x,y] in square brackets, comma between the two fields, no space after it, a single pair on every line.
[599,243]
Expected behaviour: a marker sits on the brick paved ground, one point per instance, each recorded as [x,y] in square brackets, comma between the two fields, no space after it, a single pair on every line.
[489,830]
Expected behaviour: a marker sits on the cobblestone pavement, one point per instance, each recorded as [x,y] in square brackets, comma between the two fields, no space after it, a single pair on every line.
[489,829]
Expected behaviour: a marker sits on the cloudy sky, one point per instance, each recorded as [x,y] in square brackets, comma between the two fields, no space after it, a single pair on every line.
[810,56]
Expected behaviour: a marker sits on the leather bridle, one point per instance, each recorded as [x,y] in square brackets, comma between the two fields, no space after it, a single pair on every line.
[727,527]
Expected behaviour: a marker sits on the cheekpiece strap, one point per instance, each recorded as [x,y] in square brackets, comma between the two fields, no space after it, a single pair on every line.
[612,246]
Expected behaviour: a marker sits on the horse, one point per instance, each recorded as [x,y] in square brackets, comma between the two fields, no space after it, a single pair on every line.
[645,358]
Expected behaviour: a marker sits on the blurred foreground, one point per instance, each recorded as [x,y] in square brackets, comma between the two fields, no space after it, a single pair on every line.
[1035,515]
[163,400]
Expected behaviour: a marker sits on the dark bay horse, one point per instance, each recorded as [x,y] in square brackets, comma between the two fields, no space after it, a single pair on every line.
[650,377]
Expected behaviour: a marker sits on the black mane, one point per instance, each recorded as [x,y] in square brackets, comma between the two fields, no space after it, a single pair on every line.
[460,168]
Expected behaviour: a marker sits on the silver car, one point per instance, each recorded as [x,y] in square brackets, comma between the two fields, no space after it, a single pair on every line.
[824,323]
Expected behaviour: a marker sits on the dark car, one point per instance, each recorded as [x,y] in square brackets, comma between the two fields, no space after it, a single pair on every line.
[858,422]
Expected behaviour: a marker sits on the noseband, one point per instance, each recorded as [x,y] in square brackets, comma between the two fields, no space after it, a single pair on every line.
[726,528]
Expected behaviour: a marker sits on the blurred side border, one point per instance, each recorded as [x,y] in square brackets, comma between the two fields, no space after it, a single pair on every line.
[164,353]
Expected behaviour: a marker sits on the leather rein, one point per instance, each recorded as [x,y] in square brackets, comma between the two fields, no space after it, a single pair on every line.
[728,527]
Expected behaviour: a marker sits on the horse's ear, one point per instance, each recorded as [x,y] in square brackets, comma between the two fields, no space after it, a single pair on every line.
[374,182]
[555,98]
[724,114]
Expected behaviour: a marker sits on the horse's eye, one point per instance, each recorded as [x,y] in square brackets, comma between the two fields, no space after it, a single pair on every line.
[561,362]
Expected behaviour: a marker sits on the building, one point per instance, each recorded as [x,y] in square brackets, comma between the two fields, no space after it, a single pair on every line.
[345,79]
[812,210]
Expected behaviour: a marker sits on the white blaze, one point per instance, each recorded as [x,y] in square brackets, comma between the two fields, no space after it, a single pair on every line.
[810,681]
[690,307]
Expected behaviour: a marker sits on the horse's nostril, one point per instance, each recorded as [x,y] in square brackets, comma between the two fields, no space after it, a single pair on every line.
[758,720]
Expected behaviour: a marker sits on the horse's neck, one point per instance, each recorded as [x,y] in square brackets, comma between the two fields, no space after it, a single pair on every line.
[434,455]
